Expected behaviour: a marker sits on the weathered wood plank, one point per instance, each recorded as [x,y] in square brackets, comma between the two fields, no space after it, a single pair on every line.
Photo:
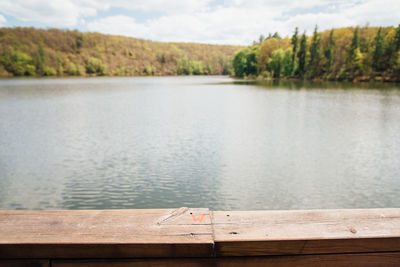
[188,262]
[119,234]
[106,233]
[24,263]
[327,260]
[249,233]
[334,260]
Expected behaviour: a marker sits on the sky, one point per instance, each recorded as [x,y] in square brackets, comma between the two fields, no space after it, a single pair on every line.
[205,21]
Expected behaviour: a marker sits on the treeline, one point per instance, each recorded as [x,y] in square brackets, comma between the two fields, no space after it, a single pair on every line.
[356,54]
[54,52]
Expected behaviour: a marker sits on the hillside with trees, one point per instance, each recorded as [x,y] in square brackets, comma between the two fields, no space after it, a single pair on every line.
[352,53]
[54,52]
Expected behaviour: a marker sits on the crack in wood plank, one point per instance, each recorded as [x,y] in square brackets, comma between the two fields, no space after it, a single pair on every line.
[190,234]
[174,214]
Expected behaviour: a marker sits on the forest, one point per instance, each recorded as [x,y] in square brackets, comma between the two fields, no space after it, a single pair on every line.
[351,53]
[54,52]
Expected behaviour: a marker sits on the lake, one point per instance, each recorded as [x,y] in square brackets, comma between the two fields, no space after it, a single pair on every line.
[164,142]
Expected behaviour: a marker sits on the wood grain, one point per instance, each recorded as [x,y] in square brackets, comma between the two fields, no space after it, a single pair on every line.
[105,233]
[328,260]
[197,233]
[251,233]
[189,262]
[25,263]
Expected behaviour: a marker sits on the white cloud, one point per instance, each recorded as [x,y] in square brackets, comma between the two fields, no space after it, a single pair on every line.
[69,13]
[55,13]
[240,21]
[231,21]
[162,6]
[119,25]
[382,12]
[2,20]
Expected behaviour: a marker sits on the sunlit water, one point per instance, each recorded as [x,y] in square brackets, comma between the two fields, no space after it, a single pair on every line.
[105,143]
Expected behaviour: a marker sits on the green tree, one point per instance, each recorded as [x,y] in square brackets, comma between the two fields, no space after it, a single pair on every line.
[276,63]
[302,55]
[19,64]
[245,61]
[261,39]
[276,35]
[226,66]
[184,66]
[240,63]
[149,70]
[355,42]
[208,70]
[380,47]
[287,63]
[49,71]
[72,69]
[355,56]
[397,38]
[79,41]
[197,67]
[315,54]
[295,44]
[60,65]
[40,60]
[394,55]
[329,52]
[95,66]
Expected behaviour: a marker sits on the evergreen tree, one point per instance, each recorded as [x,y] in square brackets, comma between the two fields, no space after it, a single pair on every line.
[302,55]
[355,42]
[295,44]
[355,55]
[276,35]
[315,53]
[394,57]
[261,39]
[329,52]
[380,46]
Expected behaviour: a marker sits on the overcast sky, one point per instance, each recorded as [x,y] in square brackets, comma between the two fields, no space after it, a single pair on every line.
[205,21]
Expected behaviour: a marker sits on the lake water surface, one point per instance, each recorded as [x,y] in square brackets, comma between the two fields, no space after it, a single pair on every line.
[105,143]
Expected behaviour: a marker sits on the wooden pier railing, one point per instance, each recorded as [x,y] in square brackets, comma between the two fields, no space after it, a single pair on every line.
[199,237]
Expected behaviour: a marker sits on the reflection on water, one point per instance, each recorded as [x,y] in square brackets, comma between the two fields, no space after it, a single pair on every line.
[306,84]
[199,142]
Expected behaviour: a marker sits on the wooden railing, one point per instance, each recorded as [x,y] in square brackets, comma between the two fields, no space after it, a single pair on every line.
[199,237]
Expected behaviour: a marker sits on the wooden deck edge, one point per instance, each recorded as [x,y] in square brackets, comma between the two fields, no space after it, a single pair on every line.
[328,260]
[333,260]
[197,233]
[262,233]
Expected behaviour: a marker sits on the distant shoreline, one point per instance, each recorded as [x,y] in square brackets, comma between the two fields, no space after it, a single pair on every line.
[54,52]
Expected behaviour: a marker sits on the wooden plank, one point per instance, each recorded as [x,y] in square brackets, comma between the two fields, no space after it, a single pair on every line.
[119,234]
[334,260]
[188,262]
[327,260]
[24,263]
[180,232]
[248,233]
